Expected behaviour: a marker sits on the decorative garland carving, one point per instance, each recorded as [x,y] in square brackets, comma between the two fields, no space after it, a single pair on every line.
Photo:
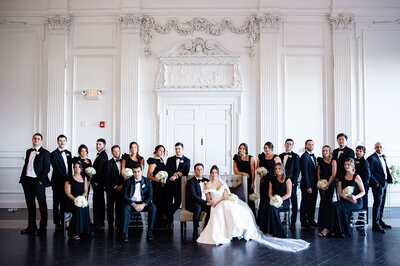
[4,21]
[250,26]
[58,22]
[341,22]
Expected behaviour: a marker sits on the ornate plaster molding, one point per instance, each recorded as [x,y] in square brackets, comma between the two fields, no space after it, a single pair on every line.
[197,64]
[341,22]
[4,21]
[58,22]
[250,27]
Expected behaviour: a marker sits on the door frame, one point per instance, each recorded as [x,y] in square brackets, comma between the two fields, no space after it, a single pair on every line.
[166,99]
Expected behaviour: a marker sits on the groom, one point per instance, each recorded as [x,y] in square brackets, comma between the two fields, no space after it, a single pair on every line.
[196,201]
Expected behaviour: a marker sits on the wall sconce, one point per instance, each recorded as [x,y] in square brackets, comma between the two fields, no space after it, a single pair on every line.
[92,94]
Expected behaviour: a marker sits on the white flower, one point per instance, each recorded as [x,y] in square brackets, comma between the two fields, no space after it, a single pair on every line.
[162,176]
[322,184]
[80,202]
[253,197]
[232,198]
[143,185]
[276,201]
[261,171]
[37,153]
[127,172]
[348,191]
[90,171]
[181,161]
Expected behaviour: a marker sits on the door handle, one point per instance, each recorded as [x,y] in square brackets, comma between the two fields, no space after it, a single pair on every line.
[201,141]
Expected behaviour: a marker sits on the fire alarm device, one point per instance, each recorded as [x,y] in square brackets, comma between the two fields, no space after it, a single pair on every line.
[102,124]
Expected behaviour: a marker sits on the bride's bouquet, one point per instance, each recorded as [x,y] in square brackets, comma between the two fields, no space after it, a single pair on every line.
[90,171]
[80,202]
[162,176]
[322,184]
[276,201]
[128,173]
[232,198]
[253,197]
[261,171]
[348,191]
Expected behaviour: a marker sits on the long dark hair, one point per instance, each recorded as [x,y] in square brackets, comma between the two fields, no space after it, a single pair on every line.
[246,147]
[283,170]
[138,157]
[214,167]
[83,146]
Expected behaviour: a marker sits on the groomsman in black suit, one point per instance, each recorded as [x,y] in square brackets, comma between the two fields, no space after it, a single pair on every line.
[291,161]
[97,183]
[308,186]
[362,169]
[341,154]
[380,177]
[34,179]
[62,167]
[114,183]
[177,166]
[138,197]
[196,200]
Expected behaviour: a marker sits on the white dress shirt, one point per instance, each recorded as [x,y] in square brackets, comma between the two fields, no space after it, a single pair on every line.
[118,163]
[30,170]
[64,156]
[383,164]
[285,158]
[137,196]
[178,160]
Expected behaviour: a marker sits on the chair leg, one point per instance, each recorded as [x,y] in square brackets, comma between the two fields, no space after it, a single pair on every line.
[182,228]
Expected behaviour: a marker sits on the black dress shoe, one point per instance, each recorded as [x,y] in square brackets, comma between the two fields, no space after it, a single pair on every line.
[195,236]
[27,231]
[306,226]
[150,235]
[378,229]
[124,238]
[386,226]
[314,224]
[40,232]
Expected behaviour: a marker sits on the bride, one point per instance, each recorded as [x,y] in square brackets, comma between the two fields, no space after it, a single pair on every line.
[233,218]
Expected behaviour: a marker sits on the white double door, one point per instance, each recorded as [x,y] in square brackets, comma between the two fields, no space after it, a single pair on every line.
[206,132]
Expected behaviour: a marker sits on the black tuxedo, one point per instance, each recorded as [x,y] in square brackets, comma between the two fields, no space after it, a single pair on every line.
[378,177]
[173,188]
[58,178]
[35,187]
[347,153]
[146,192]
[113,178]
[292,169]
[195,203]
[363,170]
[308,167]
[97,182]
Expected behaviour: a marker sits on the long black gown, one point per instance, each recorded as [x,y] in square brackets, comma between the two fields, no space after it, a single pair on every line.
[80,222]
[83,173]
[326,196]
[245,166]
[341,211]
[129,163]
[264,182]
[270,222]
[159,194]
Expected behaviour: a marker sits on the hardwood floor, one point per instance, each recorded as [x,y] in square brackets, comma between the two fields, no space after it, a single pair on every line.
[168,248]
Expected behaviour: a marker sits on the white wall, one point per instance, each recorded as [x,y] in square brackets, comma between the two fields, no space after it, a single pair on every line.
[306,98]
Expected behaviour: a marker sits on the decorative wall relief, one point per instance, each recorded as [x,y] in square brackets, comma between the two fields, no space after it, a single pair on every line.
[250,26]
[199,64]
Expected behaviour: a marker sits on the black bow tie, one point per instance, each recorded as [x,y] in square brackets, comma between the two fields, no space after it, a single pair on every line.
[62,151]
[118,160]
[287,153]
[200,180]
[137,182]
[381,156]
[341,149]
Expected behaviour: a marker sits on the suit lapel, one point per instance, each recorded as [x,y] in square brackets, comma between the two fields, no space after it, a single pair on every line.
[61,160]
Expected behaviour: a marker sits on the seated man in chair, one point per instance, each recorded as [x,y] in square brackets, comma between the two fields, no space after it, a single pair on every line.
[196,201]
[138,196]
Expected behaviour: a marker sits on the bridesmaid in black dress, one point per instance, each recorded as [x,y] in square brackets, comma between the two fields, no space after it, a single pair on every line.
[279,184]
[76,186]
[83,152]
[341,211]
[326,171]
[244,164]
[156,164]
[267,159]
[129,160]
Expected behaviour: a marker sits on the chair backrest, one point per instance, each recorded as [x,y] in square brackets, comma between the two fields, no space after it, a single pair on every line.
[237,184]
[184,179]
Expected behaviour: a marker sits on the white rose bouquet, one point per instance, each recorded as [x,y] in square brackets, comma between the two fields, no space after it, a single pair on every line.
[80,202]
[322,184]
[348,191]
[128,173]
[90,172]
[261,171]
[162,176]
[232,198]
[276,201]
[253,197]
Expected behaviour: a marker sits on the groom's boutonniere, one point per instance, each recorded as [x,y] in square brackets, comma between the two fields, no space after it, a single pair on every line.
[37,153]
[181,161]
[357,162]
[143,185]
[289,156]
[67,154]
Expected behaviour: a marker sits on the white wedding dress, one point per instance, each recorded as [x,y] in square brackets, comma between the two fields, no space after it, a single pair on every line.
[229,220]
